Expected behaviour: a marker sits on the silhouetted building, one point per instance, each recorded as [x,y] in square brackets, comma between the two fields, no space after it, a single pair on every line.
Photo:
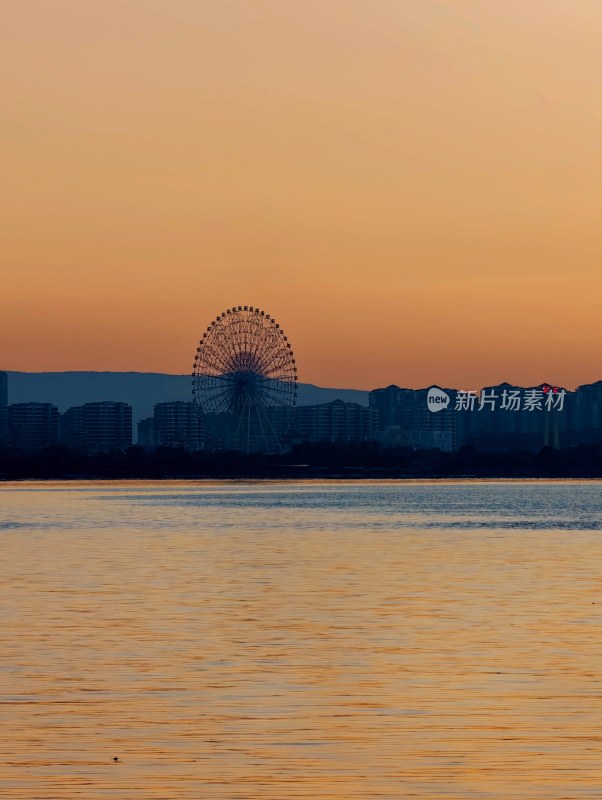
[174,424]
[588,414]
[390,403]
[146,432]
[429,430]
[496,418]
[404,419]
[221,432]
[264,430]
[178,424]
[337,421]
[502,421]
[107,426]
[281,421]
[32,426]
[98,427]
[3,408]
[71,428]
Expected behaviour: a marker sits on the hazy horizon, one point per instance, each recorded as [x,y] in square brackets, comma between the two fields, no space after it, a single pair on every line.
[301,381]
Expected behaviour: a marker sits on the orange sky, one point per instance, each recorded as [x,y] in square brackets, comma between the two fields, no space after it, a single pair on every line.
[411,187]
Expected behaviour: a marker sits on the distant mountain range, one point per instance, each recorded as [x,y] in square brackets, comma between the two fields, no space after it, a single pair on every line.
[141,389]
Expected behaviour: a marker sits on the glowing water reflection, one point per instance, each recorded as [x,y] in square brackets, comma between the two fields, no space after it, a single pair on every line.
[307,640]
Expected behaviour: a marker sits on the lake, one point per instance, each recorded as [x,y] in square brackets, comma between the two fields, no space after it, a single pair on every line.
[267,641]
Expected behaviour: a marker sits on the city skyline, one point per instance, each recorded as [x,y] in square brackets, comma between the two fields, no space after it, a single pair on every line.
[411,188]
[505,418]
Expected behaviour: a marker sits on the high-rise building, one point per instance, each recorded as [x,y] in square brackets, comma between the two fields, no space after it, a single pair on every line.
[393,405]
[71,428]
[337,421]
[146,432]
[492,420]
[221,432]
[32,426]
[496,424]
[178,424]
[588,413]
[107,426]
[98,427]
[3,408]
[280,421]
[404,419]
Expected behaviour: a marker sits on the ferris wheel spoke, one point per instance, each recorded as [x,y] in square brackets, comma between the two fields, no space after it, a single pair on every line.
[275,395]
[215,394]
[225,339]
[276,389]
[214,403]
[260,337]
[273,432]
[270,344]
[277,363]
[218,405]
[278,366]
[222,379]
[218,387]
[260,342]
[214,356]
[223,345]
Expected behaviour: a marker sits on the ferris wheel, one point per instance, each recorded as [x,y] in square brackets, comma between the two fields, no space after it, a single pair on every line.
[244,368]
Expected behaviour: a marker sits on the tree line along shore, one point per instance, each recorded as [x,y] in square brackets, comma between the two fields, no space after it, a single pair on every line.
[304,461]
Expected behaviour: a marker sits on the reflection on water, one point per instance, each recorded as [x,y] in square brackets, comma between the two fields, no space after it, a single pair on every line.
[304,640]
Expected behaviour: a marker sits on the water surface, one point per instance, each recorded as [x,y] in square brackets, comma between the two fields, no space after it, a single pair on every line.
[301,640]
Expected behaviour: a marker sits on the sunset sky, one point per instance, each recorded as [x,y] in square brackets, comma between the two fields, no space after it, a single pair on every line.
[411,187]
